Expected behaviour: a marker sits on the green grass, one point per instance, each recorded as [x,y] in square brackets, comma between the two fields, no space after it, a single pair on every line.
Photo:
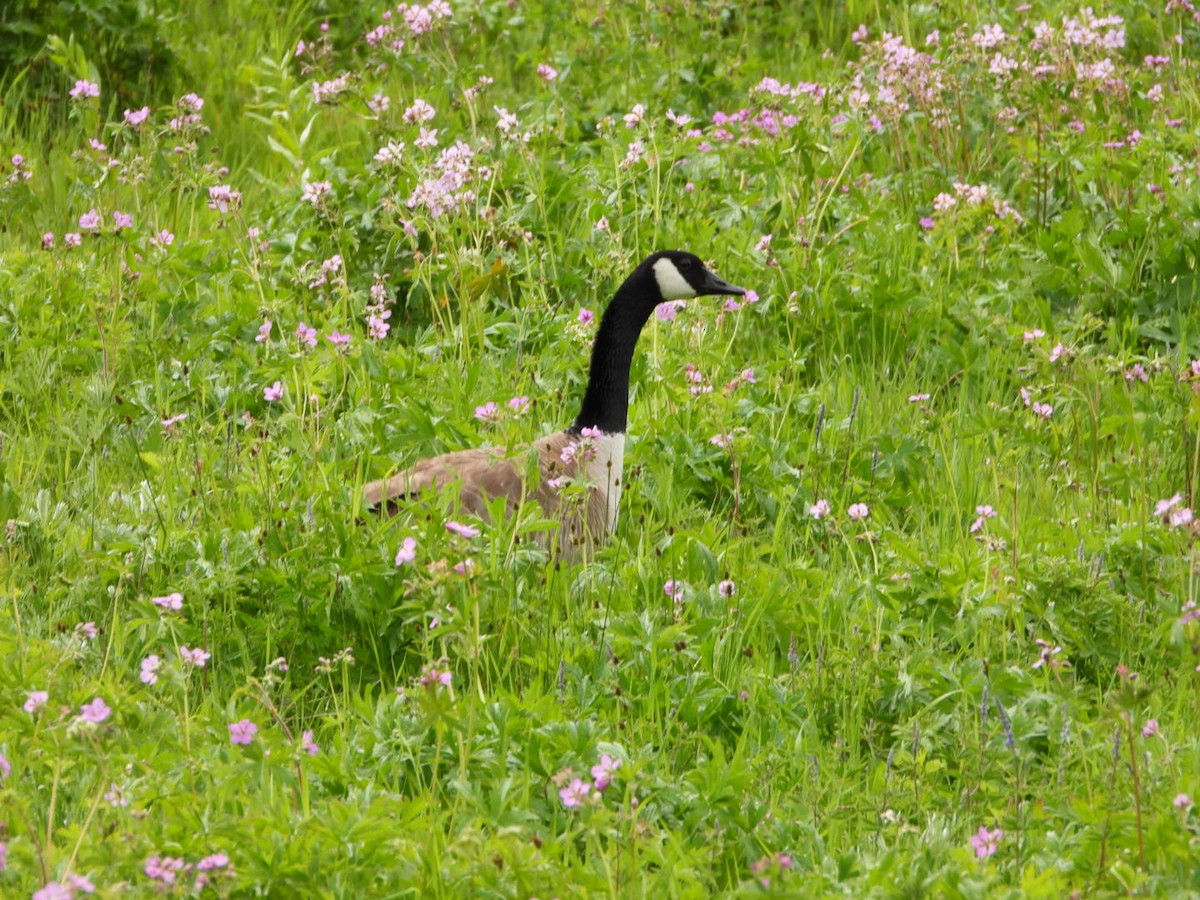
[868,698]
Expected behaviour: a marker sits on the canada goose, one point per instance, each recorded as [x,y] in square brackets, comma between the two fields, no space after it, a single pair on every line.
[592,450]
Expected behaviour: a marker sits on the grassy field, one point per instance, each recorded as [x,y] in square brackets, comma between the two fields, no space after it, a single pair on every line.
[903,599]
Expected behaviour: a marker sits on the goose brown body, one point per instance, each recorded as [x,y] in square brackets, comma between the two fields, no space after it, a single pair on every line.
[482,474]
[597,458]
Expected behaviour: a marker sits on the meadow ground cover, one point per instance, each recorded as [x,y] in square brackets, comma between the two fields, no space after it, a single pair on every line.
[903,601]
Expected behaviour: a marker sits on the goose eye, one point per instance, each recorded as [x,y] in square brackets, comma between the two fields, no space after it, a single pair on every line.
[685,264]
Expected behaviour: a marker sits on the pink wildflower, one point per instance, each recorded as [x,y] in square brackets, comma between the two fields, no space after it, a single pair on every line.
[194,656]
[311,747]
[84,89]
[150,666]
[575,793]
[242,732]
[603,771]
[172,601]
[985,842]
[467,531]
[96,711]
[407,552]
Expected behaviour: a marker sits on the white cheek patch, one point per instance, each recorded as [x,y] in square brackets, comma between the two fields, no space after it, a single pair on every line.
[671,284]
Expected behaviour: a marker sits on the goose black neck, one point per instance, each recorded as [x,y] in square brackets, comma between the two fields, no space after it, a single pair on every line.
[606,401]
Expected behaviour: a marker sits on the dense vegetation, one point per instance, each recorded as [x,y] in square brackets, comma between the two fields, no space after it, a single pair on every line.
[903,599]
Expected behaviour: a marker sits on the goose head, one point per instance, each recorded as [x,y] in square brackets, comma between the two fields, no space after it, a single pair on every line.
[680,275]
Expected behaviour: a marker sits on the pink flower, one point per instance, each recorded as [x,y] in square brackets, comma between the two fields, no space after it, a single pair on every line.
[426,139]
[985,842]
[1182,801]
[311,747]
[467,531]
[221,860]
[673,589]
[172,602]
[1045,410]
[586,317]
[48,240]
[1180,517]
[859,34]
[163,239]
[273,392]
[465,567]
[918,398]
[1136,372]
[135,117]
[306,335]
[858,511]
[603,771]
[195,656]
[96,145]
[819,510]
[519,404]
[163,870]
[547,72]
[488,412]
[86,631]
[72,239]
[315,192]
[222,198]
[506,122]
[407,552]
[90,220]
[1150,729]
[81,884]
[724,441]
[96,711]
[926,223]
[727,588]
[1162,507]
[54,890]
[666,312]
[150,666]
[748,376]
[419,112]
[751,296]
[338,339]
[984,513]
[242,732]
[84,89]
[601,224]
[5,768]
[1058,352]
[264,332]
[433,677]
[575,793]
[121,220]
[35,701]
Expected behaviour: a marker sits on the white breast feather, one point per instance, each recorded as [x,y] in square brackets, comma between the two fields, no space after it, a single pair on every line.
[606,471]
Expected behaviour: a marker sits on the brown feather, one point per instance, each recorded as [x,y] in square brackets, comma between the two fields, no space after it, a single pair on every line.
[484,474]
